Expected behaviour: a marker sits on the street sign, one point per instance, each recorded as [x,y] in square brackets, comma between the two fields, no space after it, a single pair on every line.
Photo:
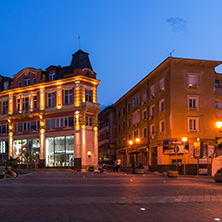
[176,149]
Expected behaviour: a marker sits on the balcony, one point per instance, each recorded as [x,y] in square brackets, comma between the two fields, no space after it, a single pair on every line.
[106,128]
[91,105]
[102,142]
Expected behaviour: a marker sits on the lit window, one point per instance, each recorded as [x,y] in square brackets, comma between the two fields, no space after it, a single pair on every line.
[88,95]
[162,126]
[192,80]
[68,97]
[5,107]
[161,84]
[161,105]
[27,81]
[51,99]
[6,85]
[52,76]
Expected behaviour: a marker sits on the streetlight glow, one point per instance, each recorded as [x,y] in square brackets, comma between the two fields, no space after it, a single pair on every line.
[130,142]
[137,140]
[184,139]
[219,124]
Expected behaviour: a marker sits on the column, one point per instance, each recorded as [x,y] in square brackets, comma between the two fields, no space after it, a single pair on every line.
[42,140]
[59,97]
[42,98]
[77,141]
[10,135]
[77,101]
[10,104]
[95,130]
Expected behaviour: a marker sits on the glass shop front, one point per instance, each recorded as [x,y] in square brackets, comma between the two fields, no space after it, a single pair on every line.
[3,152]
[26,149]
[60,151]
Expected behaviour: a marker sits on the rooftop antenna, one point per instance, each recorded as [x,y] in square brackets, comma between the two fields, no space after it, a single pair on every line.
[171,53]
[79,41]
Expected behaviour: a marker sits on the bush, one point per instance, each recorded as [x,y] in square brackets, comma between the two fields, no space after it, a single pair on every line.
[219,170]
[140,166]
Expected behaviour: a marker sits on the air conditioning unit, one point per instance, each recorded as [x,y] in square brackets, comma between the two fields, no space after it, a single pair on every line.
[152,137]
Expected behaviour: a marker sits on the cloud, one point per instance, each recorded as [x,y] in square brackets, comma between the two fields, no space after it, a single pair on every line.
[177,24]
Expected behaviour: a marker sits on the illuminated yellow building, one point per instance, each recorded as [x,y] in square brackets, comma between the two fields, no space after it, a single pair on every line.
[52,115]
[179,98]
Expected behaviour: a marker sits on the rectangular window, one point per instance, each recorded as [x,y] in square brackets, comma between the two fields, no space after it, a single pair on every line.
[144,133]
[27,81]
[152,110]
[161,105]
[152,90]
[129,107]
[6,85]
[51,99]
[217,83]
[136,101]
[71,121]
[129,122]
[19,84]
[18,104]
[34,80]
[119,113]
[152,129]
[35,102]
[68,97]
[88,95]
[162,126]
[216,104]
[135,134]
[65,121]
[61,122]
[119,127]
[193,124]
[144,114]
[192,80]
[52,76]
[89,121]
[4,107]
[25,106]
[161,84]
[124,110]
[124,125]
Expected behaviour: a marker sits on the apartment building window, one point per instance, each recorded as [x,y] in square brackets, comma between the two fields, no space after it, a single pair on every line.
[144,132]
[124,140]
[161,105]
[129,107]
[3,129]
[152,129]
[19,84]
[52,76]
[68,97]
[192,80]
[88,95]
[136,133]
[124,125]
[152,110]
[34,80]
[129,122]
[193,123]
[18,104]
[35,102]
[144,114]
[162,126]
[161,84]
[124,110]
[217,83]
[119,113]
[216,104]
[119,127]
[6,85]
[27,81]
[152,90]
[26,126]
[25,105]
[136,101]
[89,121]
[51,99]
[192,101]
[129,137]
[4,107]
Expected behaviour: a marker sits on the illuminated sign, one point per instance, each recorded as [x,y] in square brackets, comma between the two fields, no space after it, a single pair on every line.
[2,147]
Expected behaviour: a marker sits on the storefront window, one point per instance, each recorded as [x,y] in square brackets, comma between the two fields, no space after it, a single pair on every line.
[60,151]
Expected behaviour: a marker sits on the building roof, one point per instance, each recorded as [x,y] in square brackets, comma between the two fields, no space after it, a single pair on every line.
[80,60]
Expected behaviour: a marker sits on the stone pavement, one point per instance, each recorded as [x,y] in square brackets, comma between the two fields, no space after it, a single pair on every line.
[89,197]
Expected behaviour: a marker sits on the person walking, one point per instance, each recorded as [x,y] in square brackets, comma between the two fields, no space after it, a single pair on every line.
[118,165]
[115,166]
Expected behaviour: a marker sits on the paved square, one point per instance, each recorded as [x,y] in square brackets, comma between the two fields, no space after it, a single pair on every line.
[71,196]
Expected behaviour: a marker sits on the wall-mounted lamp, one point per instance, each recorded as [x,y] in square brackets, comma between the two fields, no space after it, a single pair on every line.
[89,154]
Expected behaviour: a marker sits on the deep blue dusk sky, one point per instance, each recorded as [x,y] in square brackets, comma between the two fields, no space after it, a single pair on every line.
[125,39]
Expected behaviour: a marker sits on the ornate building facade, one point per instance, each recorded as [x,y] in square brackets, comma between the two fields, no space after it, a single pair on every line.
[52,114]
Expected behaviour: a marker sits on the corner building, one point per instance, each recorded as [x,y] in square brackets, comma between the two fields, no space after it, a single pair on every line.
[52,114]
[179,98]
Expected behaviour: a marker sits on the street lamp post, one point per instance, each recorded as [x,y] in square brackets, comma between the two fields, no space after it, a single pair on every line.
[184,139]
[131,142]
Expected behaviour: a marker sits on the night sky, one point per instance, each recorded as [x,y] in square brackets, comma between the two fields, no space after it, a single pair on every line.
[125,39]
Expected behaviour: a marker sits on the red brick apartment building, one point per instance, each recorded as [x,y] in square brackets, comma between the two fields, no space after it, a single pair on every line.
[51,114]
[179,98]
